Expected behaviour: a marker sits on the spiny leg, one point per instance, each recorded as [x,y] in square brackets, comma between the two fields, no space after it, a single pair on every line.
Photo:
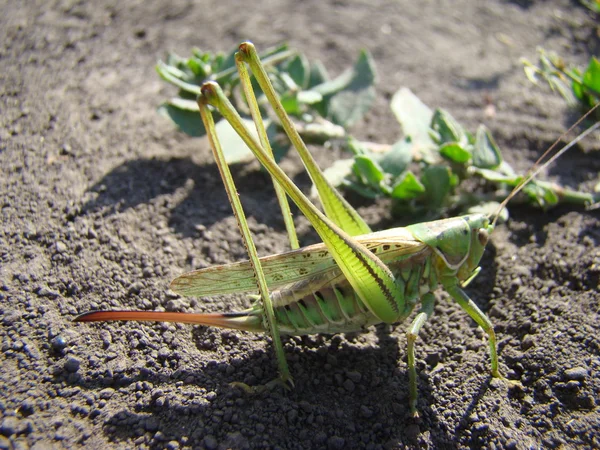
[336,207]
[427,303]
[483,321]
[284,373]
[264,140]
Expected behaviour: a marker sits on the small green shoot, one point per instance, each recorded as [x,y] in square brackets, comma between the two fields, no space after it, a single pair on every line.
[424,172]
[579,89]
[322,108]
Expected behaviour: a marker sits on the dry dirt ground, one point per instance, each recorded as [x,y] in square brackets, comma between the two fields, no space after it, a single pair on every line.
[104,202]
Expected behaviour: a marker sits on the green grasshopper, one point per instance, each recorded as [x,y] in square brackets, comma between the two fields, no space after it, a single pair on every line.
[355,278]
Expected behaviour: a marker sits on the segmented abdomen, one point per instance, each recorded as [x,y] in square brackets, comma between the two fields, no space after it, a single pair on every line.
[336,308]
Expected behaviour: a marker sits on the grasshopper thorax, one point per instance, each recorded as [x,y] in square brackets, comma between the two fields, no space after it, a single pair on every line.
[459,242]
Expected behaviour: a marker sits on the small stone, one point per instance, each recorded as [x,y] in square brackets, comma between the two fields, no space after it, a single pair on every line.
[320,437]
[365,412]
[9,426]
[306,406]
[151,424]
[60,247]
[527,342]
[135,288]
[210,442]
[106,393]
[44,291]
[335,443]
[354,376]
[72,365]
[106,338]
[27,407]
[20,444]
[349,385]
[576,373]
[292,415]
[5,443]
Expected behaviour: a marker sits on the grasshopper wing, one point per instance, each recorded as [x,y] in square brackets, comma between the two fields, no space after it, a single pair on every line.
[281,270]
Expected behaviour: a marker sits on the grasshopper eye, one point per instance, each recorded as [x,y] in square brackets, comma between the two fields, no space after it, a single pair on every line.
[483,236]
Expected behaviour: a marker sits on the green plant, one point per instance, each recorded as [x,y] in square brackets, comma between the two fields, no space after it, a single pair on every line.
[577,88]
[322,108]
[424,172]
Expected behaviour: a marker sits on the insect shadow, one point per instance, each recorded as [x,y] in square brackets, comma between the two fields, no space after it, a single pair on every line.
[375,400]
[146,181]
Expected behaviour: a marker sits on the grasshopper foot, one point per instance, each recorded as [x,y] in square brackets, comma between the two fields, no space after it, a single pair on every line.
[511,383]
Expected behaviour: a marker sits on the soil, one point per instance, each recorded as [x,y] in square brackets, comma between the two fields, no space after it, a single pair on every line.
[104,202]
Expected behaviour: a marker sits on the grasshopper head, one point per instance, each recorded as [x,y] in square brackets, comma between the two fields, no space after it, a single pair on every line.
[459,242]
[480,227]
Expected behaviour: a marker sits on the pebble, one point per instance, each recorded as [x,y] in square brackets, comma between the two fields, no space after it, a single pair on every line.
[151,424]
[354,376]
[292,415]
[43,291]
[27,407]
[349,385]
[365,412]
[576,373]
[335,443]
[72,365]
[9,426]
[135,288]
[106,393]
[210,442]
[527,342]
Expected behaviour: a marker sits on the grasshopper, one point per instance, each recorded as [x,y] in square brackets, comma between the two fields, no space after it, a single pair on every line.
[354,278]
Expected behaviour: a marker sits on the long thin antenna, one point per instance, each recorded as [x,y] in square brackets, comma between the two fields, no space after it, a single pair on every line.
[538,167]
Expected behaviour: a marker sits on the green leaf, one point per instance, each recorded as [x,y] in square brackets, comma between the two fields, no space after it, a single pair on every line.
[290,104]
[397,159]
[544,196]
[486,153]
[321,131]
[187,120]
[408,187]
[357,147]
[318,74]
[338,172]
[234,147]
[368,170]
[455,153]
[309,97]
[415,119]
[350,96]
[299,71]
[200,69]
[438,181]
[447,129]
[578,90]
[591,76]
[170,75]
[531,72]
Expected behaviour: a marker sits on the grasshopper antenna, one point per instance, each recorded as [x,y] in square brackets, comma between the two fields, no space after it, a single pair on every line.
[538,166]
